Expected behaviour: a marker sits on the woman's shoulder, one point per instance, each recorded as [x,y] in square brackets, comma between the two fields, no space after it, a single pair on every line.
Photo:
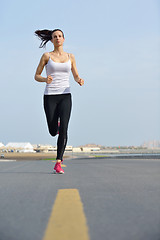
[46,55]
[71,55]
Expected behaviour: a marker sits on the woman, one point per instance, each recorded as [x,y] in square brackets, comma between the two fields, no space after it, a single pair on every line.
[57,95]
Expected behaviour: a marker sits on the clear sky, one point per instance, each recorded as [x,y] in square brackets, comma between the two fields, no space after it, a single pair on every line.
[117,49]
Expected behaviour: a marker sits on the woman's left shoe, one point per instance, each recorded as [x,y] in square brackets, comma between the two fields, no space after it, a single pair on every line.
[58,169]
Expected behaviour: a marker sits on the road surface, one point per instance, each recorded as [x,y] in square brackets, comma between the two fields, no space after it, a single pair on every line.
[108,199]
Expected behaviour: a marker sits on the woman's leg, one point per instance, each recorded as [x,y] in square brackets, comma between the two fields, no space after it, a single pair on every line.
[64,112]
[51,111]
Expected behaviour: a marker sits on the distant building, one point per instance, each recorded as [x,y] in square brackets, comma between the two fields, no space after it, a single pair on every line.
[90,149]
[19,147]
[151,144]
[44,148]
[69,148]
[49,148]
[1,145]
[77,149]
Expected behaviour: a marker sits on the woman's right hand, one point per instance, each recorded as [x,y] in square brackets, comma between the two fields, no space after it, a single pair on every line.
[49,79]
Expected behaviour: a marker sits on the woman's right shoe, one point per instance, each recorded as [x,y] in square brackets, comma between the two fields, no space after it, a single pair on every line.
[58,169]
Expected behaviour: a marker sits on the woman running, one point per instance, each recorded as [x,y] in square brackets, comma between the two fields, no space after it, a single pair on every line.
[57,95]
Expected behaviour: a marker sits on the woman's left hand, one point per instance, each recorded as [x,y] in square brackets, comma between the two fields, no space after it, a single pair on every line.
[80,81]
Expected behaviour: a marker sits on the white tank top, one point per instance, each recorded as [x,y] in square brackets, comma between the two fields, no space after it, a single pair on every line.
[60,73]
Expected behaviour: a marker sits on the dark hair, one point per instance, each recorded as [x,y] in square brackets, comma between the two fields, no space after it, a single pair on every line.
[46,35]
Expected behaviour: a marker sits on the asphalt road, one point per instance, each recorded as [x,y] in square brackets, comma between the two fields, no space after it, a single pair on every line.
[120,197]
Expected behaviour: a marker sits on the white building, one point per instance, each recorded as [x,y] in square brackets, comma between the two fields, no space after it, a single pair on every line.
[20,147]
[77,149]
[90,149]
[1,145]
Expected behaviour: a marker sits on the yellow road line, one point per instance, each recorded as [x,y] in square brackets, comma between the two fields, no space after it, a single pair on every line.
[67,220]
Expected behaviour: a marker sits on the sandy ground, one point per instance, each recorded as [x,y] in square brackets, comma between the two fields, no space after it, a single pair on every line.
[28,156]
[42,155]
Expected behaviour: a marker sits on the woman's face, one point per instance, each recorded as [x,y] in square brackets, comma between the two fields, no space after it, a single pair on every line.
[57,38]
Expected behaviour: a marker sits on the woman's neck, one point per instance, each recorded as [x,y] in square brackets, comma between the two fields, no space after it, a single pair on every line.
[58,50]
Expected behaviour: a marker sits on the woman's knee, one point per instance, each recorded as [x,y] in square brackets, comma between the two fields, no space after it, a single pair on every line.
[52,132]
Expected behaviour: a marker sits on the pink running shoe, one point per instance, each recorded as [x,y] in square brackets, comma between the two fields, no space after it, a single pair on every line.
[58,169]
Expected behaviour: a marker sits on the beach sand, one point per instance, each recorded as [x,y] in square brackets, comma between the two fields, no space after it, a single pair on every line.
[28,156]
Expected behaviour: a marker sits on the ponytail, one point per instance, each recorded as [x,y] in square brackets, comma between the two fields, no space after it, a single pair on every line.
[45,36]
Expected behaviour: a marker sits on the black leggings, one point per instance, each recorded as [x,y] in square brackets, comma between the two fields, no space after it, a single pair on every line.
[58,107]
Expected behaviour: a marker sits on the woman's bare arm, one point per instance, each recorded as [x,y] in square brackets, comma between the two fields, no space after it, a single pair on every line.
[75,72]
[44,59]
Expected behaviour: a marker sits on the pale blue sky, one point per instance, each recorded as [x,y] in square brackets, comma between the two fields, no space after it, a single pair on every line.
[117,49]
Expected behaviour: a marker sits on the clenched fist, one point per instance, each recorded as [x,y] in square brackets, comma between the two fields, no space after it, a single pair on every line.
[80,81]
[49,79]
